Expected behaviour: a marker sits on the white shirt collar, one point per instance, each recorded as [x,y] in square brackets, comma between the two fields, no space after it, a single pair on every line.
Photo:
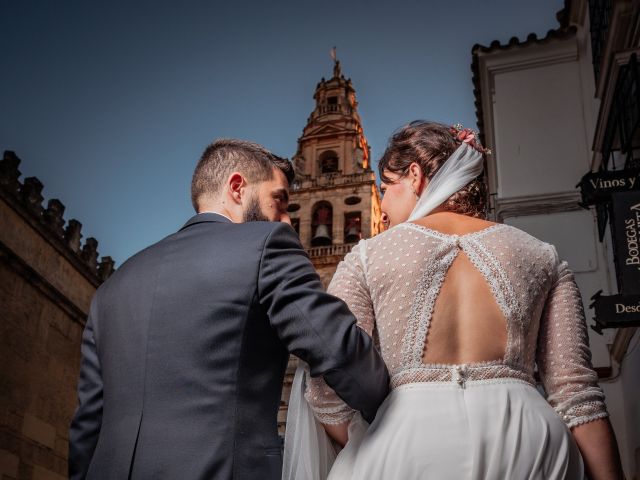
[217,213]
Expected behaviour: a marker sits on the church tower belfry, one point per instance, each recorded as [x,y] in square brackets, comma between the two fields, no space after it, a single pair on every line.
[335,200]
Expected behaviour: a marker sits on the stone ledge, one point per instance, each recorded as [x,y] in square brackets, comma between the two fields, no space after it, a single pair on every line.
[40,473]
[78,313]
[8,464]
[39,431]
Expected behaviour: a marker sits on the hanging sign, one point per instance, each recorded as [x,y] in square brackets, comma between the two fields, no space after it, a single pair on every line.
[597,187]
[625,231]
[616,311]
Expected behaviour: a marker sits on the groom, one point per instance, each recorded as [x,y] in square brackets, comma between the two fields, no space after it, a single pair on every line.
[185,347]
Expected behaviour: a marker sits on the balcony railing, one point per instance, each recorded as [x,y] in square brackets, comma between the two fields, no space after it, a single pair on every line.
[330,108]
[341,250]
[334,108]
[599,15]
[623,126]
[303,182]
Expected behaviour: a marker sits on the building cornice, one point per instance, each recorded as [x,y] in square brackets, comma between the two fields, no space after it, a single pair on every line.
[25,198]
[479,51]
[34,278]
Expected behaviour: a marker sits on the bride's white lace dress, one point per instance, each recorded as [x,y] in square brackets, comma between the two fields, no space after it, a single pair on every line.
[474,421]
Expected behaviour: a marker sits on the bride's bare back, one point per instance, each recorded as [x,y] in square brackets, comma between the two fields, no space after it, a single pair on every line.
[467,325]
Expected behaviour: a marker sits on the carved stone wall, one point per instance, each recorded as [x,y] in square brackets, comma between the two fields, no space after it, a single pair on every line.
[47,279]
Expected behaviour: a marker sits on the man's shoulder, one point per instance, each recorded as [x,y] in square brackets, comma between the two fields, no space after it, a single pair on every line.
[262,231]
[264,228]
[258,233]
[241,234]
[259,228]
[133,266]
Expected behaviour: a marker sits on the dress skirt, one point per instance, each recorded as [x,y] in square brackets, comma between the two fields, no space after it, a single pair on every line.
[481,430]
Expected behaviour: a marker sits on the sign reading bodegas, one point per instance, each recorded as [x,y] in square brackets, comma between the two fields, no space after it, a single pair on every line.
[623,309]
[625,225]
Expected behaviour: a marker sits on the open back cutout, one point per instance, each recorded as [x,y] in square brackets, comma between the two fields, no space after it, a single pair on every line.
[467,325]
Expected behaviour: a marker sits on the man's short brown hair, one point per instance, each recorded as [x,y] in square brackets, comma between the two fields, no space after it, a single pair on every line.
[228,155]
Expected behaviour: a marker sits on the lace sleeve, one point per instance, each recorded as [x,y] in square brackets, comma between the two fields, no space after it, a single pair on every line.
[349,284]
[564,357]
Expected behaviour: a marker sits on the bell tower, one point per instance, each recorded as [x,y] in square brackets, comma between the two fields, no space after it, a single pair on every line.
[335,200]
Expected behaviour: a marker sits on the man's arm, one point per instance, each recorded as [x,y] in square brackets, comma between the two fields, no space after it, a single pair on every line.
[318,327]
[85,426]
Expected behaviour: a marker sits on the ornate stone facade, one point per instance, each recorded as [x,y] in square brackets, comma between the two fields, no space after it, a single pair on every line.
[47,280]
[335,200]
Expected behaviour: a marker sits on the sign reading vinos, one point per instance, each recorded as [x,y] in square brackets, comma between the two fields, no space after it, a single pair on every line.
[597,187]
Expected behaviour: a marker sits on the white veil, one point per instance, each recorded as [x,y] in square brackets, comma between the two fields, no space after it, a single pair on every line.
[465,164]
[308,452]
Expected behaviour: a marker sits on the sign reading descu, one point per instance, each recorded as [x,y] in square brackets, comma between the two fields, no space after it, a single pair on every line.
[616,311]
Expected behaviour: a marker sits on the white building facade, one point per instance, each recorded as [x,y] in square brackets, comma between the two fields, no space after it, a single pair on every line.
[542,109]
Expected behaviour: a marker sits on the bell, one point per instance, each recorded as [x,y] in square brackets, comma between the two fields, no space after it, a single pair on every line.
[321,237]
[353,235]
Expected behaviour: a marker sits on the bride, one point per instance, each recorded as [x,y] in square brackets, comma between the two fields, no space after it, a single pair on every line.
[463,310]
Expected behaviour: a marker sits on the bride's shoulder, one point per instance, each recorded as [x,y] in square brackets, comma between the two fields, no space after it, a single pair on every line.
[520,240]
[511,231]
[379,239]
[368,246]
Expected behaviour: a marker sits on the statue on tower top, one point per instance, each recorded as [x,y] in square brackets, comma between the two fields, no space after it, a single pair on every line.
[336,63]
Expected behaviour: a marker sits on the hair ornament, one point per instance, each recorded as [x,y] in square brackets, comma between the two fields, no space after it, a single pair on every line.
[470,137]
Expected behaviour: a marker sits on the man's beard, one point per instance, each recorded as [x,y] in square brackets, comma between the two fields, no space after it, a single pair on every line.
[253,213]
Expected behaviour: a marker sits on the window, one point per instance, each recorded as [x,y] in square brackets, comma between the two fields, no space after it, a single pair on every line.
[329,162]
[322,224]
[352,227]
[331,105]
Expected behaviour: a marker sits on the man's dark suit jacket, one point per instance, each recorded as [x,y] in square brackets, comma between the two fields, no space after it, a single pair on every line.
[185,349]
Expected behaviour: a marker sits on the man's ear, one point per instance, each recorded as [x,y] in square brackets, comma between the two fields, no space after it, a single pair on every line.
[417,178]
[236,184]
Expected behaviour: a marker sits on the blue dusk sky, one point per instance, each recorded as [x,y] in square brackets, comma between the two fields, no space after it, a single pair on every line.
[111,103]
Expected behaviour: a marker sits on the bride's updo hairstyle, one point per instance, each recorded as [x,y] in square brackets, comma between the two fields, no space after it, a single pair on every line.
[429,144]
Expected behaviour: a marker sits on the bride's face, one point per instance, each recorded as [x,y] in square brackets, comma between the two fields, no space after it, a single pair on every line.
[398,199]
